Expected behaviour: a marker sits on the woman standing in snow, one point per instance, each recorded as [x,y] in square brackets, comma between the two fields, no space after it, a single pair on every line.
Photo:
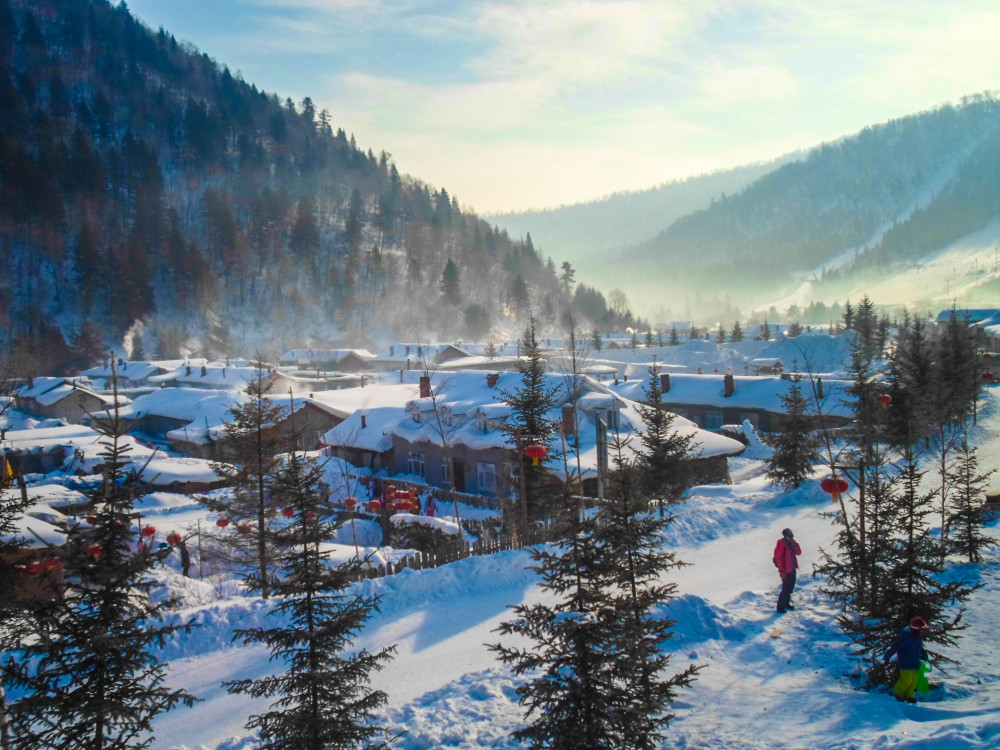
[909,651]
[786,554]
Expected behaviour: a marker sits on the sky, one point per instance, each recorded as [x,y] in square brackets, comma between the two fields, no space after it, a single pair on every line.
[519,104]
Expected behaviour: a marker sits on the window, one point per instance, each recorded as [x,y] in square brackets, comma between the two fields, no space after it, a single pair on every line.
[415,464]
[484,424]
[445,472]
[750,416]
[611,419]
[713,420]
[416,417]
[487,477]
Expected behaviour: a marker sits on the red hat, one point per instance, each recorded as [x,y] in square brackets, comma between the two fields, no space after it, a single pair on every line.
[919,626]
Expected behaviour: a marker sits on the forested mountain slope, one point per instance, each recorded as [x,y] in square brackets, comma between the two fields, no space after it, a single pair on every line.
[145,188]
[843,214]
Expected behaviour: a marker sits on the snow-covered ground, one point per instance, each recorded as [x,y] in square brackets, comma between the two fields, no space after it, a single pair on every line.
[769,681]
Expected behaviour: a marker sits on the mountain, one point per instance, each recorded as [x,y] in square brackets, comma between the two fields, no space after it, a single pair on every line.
[836,222]
[151,197]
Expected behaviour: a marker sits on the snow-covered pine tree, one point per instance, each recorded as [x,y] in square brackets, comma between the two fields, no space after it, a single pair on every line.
[252,441]
[88,676]
[635,586]
[529,424]
[569,666]
[796,445]
[736,334]
[967,514]
[663,466]
[323,696]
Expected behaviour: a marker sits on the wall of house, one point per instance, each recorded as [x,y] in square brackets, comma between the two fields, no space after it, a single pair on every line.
[475,481]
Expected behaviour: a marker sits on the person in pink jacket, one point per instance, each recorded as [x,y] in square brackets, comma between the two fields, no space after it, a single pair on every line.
[786,554]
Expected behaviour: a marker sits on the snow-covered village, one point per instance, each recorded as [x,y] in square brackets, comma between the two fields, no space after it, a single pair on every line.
[419,486]
[577,375]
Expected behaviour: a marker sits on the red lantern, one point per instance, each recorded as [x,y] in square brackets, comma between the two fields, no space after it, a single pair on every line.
[173,538]
[310,515]
[834,485]
[92,520]
[148,531]
[884,399]
[536,452]
[34,568]
[95,550]
[390,489]
[288,512]
[989,376]
[244,528]
[987,356]
[374,506]
[222,523]
[50,564]
[350,502]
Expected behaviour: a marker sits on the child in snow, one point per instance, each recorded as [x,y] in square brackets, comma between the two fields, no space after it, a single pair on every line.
[909,651]
[786,554]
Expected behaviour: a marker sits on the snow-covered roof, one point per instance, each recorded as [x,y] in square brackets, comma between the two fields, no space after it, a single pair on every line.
[206,407]
[465,388]
[134,371]
[749,392]
[308,356]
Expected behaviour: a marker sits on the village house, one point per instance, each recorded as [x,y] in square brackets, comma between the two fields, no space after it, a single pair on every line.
[451,435]
[328,360]
[711,401]
[417,356]
[63,398]
[130,374]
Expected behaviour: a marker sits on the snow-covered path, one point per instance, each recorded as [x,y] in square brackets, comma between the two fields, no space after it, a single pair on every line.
[769,680]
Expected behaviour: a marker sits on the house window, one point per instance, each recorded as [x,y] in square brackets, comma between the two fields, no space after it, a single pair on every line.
[416,417]
[484,424]
[713,420]
[445,472]
[487,477]
[611,419]
[415,464]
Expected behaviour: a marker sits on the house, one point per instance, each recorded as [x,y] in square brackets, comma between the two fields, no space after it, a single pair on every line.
[417,356]
[63,398]
[342,360]
[451,434]
[986,320]
[711,401]
[767,366]
[130,374]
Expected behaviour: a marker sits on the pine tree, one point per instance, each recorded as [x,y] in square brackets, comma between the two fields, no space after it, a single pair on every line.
[636,590]
[597,658]
[796,445]
[449,283]
[595,340]
[529,424]
[568,703]
[89,676]
[736,335]
[323,696]
[968,514]
[253,440]
[663,458]
[888,565]
[720,335]
[675,340]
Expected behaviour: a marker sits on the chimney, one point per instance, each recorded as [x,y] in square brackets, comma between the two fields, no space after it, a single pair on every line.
[730,387]
[568,419]
[664,382]
[392,350]
[407,351]
[187,368]
[819,387]
[425,386]
[364,423]
[491,379]
[204,371]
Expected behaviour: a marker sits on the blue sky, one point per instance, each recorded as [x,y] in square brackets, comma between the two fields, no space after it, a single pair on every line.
[514,104]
